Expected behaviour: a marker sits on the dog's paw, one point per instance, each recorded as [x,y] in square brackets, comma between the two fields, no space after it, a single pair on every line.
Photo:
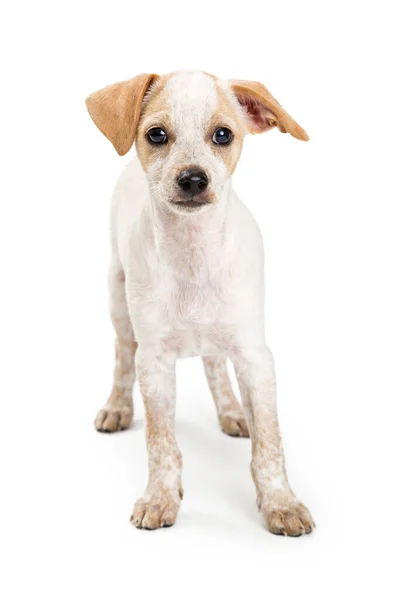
[109,420]
[233,423]
[156,510]
[292,519]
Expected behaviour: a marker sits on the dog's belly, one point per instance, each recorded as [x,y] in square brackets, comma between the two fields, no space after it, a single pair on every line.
[195,341]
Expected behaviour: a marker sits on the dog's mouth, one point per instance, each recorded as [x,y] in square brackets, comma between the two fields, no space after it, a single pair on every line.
[191,203]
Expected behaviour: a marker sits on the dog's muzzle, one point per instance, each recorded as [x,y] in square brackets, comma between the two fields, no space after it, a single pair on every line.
[192,184]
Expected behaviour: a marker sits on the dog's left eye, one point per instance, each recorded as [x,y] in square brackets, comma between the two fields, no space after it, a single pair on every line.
[157,135]
[222,135]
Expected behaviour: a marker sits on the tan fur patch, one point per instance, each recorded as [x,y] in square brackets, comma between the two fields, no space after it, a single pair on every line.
[154,113]
[264,111]
[116,108]
[230,413]
[227,116]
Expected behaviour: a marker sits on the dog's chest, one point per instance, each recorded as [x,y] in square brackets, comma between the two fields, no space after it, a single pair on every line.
[186,317]
[187,291]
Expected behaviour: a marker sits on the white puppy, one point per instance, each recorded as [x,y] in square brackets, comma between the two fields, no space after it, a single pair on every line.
[186,276]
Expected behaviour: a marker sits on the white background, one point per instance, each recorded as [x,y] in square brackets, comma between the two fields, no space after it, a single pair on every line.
[329,213]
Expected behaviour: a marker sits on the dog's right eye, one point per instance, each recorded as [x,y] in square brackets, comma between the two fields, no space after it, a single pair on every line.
[157,135]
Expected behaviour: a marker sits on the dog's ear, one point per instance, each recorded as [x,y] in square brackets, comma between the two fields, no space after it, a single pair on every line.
[263,112]
[116,110]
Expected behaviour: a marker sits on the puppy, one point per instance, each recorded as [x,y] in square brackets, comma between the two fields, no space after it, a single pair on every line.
[186,276]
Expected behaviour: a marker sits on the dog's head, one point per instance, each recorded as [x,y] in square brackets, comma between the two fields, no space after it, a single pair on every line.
[189,128]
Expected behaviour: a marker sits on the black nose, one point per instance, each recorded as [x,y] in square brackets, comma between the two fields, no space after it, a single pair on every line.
[193,181]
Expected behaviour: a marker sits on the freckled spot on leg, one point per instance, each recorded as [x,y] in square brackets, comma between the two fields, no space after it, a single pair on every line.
[230,413]
[117,414]
[160,503]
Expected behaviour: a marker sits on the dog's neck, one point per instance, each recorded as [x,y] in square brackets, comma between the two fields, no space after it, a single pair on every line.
[191,244]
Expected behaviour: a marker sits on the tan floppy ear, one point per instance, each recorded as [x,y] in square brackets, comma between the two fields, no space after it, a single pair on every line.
[263,111]
[116,110]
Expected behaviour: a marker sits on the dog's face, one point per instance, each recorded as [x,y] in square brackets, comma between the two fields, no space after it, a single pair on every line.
[189,139]
[189,128]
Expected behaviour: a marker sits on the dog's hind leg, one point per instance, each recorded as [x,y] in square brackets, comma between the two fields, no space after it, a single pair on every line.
[230,413]
[117,414]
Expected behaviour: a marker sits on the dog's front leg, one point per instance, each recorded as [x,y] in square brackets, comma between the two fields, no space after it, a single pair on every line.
[282,512]
[160,503]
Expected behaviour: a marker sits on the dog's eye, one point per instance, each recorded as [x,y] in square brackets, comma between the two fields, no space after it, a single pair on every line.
[157,135]
[222,135]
